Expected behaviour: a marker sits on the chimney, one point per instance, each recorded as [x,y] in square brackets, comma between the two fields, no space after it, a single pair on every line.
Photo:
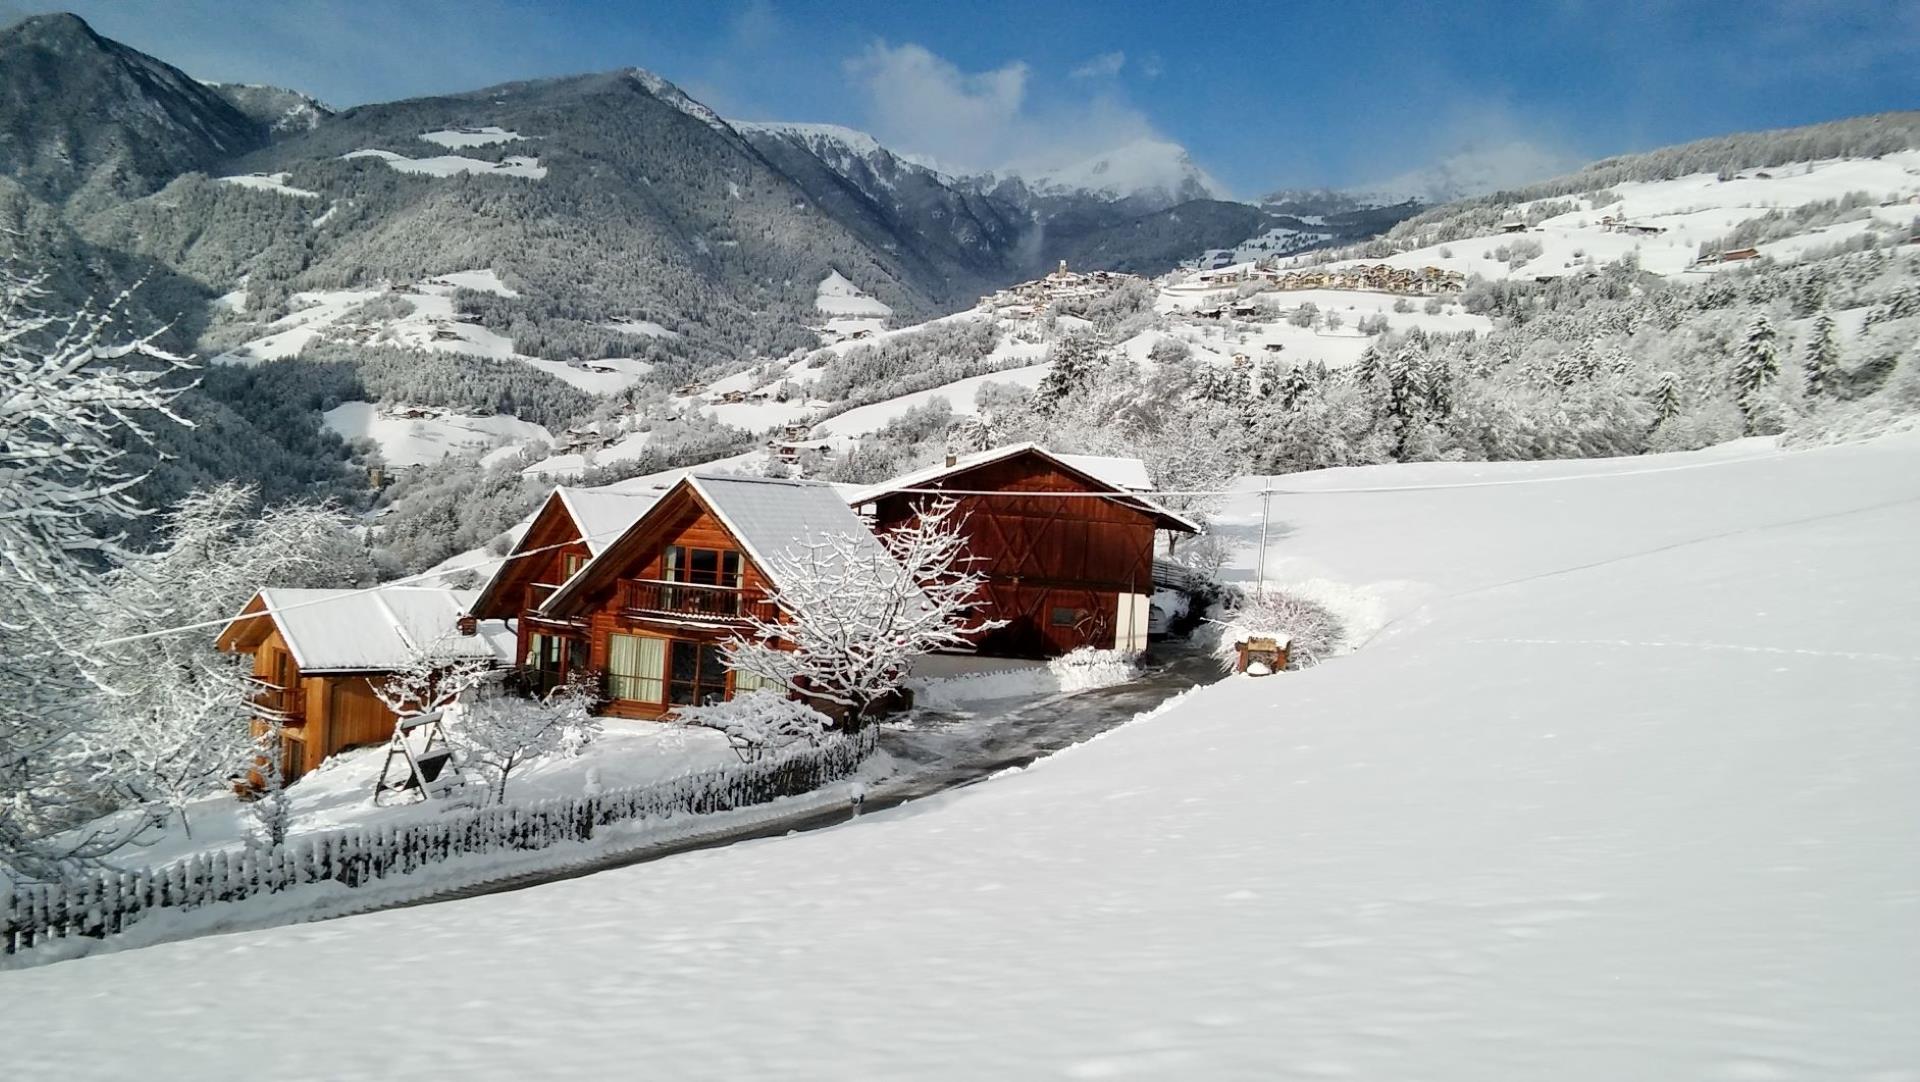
[952,459]
[468,625]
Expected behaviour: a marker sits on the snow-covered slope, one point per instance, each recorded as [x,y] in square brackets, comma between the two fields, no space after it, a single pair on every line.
[1623,791]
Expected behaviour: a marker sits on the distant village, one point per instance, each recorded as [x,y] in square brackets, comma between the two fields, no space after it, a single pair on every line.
[1033,298]
[1378,278]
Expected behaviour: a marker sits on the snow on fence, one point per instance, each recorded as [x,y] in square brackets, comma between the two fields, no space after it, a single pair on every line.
[101,903]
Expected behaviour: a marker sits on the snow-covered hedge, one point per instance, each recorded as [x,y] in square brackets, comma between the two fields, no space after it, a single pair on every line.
[102,903]
[1310,630]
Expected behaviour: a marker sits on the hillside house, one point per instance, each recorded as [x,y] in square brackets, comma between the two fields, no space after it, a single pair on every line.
[572,527]
[1065,571]
[319,654]
[651,609]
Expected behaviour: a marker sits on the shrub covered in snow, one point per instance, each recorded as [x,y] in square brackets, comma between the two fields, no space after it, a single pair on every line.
[1086,668]
[1312,632]
[759,722]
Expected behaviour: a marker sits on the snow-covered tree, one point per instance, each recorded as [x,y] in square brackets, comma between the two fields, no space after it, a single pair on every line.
[71,397]
[1755,371]
[1668,398]
[173,721]
[1072,361]
[433,678]
[854,615]
[1822,357]
[498,734]
[758,723]
[187,737]
[272,806]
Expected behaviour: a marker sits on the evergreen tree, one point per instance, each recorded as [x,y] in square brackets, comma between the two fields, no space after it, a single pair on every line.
[1667,398]
[1072,361]
[1755,372]
[1822,358]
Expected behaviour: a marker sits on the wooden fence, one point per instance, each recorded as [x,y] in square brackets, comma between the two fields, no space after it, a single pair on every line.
[101,903]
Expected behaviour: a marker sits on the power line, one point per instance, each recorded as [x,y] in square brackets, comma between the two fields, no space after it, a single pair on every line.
[1266,493]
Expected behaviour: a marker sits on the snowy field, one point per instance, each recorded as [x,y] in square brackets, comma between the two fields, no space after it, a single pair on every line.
[416,441]
[448,165]
[270,182]
[1619,786]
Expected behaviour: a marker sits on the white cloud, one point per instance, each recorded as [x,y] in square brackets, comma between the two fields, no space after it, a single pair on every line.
[923,104]
[1104,66]
[1473,146]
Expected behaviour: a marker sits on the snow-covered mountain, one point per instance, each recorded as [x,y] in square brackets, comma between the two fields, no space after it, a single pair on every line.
[1471,172]
[1152,171]
[279,110]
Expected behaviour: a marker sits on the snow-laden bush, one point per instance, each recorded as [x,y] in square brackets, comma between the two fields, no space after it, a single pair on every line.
[1086,668]
[759,722]
[1311,631]
[498,734]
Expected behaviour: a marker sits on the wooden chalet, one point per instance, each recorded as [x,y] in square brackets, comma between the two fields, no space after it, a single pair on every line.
[318,654]
[651,609]
[572,527]
[1063,571]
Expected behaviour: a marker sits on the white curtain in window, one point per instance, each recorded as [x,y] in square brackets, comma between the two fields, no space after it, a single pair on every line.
[744,681]
[636,668]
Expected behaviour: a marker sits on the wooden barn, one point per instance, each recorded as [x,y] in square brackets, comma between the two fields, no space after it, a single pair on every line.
[652,609]
[571,528]
[317,655]
[1064,571]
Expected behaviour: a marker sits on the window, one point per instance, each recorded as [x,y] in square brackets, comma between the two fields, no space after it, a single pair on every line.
[703,567]
[570,564]
[698,674]
[744,681]
[635,668]
[1066,617]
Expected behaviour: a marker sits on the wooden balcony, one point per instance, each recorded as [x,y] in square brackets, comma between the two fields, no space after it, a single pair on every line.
[644,598]
[275,704]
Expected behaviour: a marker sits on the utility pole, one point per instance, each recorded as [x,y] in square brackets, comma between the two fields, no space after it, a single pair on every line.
[1266,517]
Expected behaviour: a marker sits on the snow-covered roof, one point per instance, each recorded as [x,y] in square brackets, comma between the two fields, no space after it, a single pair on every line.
[1123,475]
[603,515]
[770,516]
[379,629]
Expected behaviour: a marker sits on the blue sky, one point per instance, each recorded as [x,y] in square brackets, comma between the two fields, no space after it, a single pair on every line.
[1262,94]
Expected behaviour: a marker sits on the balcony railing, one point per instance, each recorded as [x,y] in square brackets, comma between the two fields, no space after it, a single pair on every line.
[273,703]
[690,601]
[537,594]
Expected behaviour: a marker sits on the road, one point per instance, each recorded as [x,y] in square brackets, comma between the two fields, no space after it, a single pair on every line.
[935,752]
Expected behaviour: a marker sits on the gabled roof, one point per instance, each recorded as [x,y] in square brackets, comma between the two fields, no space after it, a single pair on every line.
[1126,477]
[599,516]
[603,515]
[767,516]
[377,630]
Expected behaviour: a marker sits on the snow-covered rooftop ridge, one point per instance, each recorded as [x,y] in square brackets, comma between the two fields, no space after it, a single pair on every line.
[1124,475]
[373,630]
[772,517]
[603,515]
